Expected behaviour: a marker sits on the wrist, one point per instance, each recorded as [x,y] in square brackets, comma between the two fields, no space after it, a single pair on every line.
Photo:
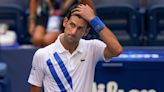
[96,24]
[89,19]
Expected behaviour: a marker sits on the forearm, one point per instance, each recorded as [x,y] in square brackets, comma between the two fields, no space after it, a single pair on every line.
[35,89]
[51,8]
[33,7]
[113,46]
[32,16]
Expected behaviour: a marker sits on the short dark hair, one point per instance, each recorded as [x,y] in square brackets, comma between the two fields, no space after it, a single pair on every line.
[69,14]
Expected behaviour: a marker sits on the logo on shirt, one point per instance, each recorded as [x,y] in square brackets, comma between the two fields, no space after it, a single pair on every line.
[83,57]
[82,60]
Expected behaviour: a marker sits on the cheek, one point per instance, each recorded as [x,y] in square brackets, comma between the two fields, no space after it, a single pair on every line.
[67,29]
[81,34]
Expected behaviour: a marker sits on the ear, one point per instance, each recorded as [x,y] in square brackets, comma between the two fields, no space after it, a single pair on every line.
[87,31]
[65,21]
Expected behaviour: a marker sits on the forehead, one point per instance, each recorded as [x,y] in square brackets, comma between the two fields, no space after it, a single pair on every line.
[78,20]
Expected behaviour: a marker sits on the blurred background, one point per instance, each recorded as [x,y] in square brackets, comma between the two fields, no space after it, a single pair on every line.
[138,25]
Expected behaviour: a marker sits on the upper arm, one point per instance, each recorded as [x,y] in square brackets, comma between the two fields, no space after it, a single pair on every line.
[99,49]
[113,48]
[35,88]
[37,73]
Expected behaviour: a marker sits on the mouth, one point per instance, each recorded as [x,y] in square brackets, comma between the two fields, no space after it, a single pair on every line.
[71,36]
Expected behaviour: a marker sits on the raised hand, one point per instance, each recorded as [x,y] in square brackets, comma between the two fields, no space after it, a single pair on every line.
[84,11]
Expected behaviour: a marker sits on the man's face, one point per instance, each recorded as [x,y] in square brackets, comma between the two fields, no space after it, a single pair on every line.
[75,28]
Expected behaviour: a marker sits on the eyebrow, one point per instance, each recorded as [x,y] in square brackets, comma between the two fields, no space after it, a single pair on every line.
[76,25]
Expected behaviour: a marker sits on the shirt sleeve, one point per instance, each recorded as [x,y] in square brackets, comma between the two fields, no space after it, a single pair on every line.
[36,74]
[98,49]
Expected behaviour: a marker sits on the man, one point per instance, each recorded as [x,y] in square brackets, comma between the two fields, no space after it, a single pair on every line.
[68,64]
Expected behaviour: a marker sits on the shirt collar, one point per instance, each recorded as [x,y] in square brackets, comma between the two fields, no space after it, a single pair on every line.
[61,49]
[80,47]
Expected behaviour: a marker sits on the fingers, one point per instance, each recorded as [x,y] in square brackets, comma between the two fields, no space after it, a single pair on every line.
[84,11]
[76,10]
[80,8]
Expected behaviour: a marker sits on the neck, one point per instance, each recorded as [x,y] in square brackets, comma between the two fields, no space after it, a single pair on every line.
[71,47]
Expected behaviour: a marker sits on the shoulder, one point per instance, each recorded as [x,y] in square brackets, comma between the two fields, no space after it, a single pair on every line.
[92,44]
[42,52]
[92,41]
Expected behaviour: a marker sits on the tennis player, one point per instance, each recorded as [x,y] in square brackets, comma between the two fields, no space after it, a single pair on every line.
[68,64]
